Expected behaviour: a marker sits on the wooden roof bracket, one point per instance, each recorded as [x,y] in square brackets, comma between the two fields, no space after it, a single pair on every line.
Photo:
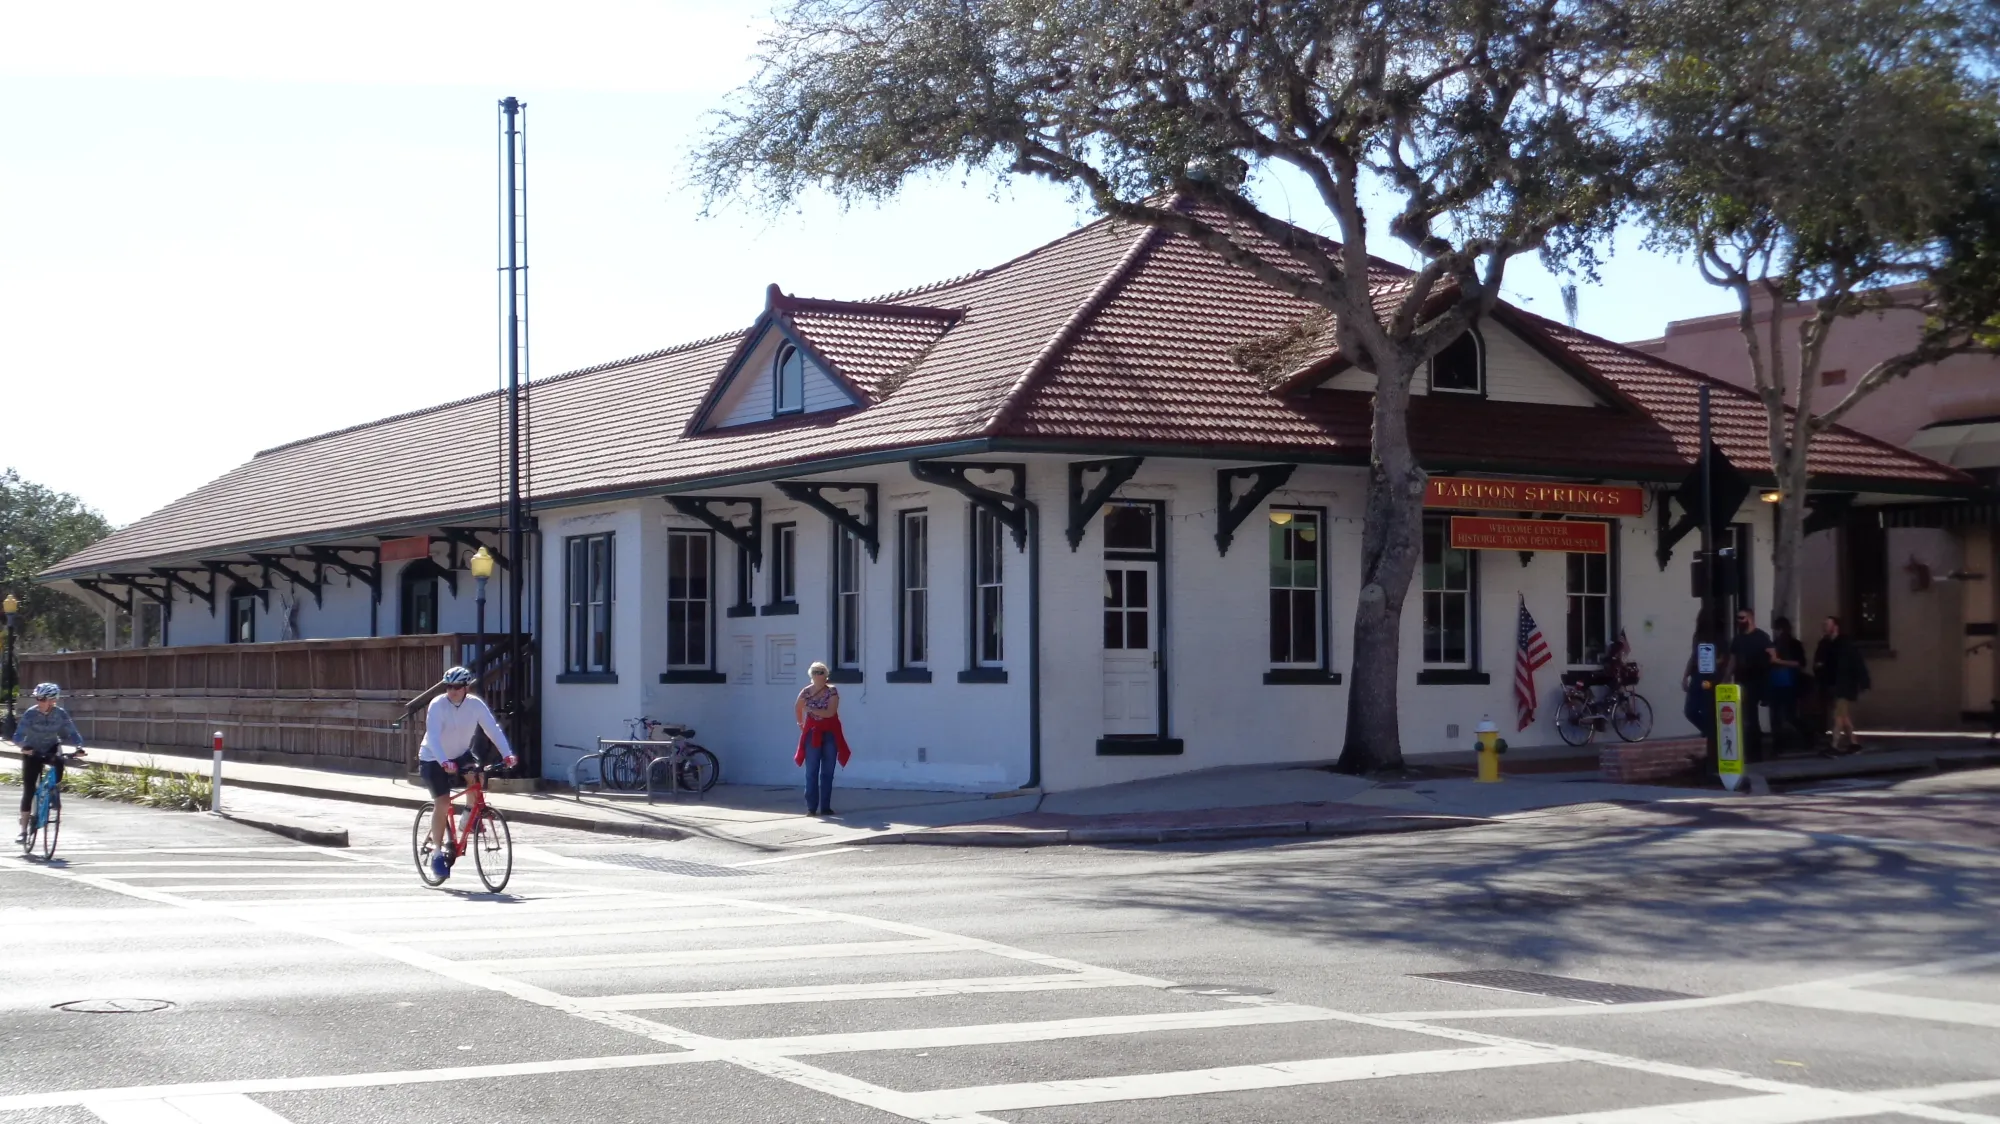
[1083,505]
[174,578]
[1230,509]
[96,585]
[1009,507]
[158,595]
[222,570]
[315,585]
[813,495]
[750,539]
[468,537]
[367,573]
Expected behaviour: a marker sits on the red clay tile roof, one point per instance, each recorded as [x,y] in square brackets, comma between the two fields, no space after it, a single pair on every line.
[1110,338]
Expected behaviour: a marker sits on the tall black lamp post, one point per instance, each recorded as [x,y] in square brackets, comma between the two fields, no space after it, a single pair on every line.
[11,680]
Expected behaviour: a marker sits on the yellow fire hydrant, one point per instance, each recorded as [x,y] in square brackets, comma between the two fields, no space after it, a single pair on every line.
[1490,749]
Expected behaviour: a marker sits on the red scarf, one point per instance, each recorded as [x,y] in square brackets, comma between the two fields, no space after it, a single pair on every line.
[812,728]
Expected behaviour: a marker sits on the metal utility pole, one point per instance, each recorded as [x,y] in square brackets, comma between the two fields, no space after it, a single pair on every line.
[1712,633]
[514,267]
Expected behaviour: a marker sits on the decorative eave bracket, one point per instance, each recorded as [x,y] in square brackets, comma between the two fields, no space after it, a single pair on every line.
[367,573]
[468,538]
[161,594]
[1009,507]
[813,495]
[97,586]
[1083,505]
[174,578]
[223,570]
[1230,509]
[314,585]
[749,539]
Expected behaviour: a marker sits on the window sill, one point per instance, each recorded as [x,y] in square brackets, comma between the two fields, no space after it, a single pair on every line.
[1140,747]
[780,609]
[908,675]
[1453,677]
[844,675]
[694,675]
[1301,677]
[587,677]
[740,611]
[983,675]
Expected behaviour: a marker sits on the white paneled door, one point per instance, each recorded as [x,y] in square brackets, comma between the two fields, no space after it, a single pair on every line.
[1131,648]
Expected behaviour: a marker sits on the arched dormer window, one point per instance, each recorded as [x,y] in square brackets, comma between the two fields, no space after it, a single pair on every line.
[418,599]
[1461,367]
[789,395]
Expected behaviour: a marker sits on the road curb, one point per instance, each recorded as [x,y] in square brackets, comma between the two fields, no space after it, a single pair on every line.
[301,830]
[1073,836]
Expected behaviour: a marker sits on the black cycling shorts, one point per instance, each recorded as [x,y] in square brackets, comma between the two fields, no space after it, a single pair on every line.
[442,783]
[32,765]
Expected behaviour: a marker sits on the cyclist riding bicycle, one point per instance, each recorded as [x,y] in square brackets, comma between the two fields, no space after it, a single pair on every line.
[447,752]
[40,735]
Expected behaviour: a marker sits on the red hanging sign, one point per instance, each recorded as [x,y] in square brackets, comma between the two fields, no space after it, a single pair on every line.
[403,550]
[1562,536]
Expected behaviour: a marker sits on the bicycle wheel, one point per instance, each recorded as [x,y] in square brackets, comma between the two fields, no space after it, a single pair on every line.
[38,818]
[50,830]
[493,850]
[625,769]
[1573,720]
[699,770]
[1632,716]
[421,848]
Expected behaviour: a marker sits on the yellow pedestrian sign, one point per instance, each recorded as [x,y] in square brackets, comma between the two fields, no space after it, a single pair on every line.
[1728,734]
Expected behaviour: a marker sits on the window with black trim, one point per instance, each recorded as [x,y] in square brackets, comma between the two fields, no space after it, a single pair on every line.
[1451,599]
[783,567]
[418,599]
[846,601]
[690,558]
[1461,367]
[745,580]
[988,593]
[587,617]
[242,615]
[913,579]
[789,374]
[1588,586]
[1296,545]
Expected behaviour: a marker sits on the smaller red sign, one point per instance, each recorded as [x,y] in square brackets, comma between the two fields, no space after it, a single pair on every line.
[403,550]
[1471,532]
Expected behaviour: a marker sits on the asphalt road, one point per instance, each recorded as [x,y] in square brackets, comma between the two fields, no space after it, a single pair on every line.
[1831,957]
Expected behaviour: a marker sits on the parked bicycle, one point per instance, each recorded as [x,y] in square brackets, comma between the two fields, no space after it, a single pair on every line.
[695,769]
[45,819]
[478,827]
[1584,712]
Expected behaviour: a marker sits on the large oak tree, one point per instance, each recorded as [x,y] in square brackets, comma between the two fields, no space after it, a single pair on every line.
[1483,129]
[1829,158]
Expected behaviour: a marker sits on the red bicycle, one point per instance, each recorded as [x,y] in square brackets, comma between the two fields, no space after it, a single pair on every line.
[478,827]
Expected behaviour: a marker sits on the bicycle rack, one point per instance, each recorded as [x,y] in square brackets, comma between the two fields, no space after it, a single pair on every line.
[576,770]
[673,777]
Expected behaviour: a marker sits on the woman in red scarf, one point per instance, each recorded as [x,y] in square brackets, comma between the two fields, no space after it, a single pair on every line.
[821,741]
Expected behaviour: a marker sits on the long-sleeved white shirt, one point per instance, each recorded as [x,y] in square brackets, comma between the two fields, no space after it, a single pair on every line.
[448,729]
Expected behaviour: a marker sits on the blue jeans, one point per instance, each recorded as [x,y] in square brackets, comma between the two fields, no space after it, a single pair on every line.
[1700,709]
[821,753]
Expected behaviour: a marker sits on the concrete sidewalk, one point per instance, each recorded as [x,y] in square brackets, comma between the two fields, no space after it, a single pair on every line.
[1216,804]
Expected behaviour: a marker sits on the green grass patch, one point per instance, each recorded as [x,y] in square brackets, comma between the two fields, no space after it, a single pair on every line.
[148,785]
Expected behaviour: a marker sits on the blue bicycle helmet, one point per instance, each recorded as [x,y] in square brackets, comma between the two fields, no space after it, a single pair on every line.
[459,677]
[47,691]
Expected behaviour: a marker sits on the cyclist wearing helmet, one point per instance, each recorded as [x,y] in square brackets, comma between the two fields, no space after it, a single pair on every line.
[447,749]
[41,733]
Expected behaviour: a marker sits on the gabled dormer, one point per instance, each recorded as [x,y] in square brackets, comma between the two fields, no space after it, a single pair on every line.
[806,357]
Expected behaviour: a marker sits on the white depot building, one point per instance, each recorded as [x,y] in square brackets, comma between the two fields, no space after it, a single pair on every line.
[1043,522]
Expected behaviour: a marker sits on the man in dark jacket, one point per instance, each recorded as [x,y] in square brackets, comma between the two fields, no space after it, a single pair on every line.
[1749,662]
[1842,674]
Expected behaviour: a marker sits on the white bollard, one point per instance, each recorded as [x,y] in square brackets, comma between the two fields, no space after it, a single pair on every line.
[215,781]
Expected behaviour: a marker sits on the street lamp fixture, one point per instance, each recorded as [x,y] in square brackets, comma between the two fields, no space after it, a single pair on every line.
[481,565]
[10,681]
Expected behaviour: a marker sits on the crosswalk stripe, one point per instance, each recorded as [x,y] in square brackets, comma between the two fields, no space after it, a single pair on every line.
[1225,1079]
[839,993]
[249,887]
[998,1033]
[249,878]
[226,1108]
[126,869]
[427,903]
[682,957]
[501,933]
[1775,1108]
[1900,1006]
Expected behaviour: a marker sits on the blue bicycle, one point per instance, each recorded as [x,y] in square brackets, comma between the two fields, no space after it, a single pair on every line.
[45,820]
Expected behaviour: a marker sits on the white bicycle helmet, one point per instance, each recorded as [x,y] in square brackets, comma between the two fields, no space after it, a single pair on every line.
[47,691]
[459,677]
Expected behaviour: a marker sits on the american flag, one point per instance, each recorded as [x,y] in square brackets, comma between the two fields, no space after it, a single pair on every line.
[1530,653]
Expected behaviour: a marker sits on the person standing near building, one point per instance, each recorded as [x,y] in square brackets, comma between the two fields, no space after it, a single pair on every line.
[821,741]
[1842,675]
[1788,667]
[1749,664]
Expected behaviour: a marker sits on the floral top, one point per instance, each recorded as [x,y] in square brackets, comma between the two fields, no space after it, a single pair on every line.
[819,705]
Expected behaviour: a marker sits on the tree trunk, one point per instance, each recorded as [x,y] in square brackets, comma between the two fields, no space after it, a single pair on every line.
[1790,538]
[1391,548]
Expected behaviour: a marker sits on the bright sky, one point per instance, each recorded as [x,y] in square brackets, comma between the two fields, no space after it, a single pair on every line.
[226,225]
